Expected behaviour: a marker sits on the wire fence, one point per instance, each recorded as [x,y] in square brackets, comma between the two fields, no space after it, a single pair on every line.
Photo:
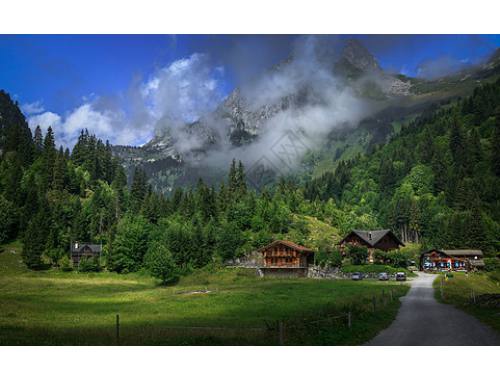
[338,317]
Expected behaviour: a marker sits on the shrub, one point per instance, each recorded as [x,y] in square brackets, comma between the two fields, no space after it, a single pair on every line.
[160,263]
[66,264]
[55,255]
[375,268]
[89,264]
[491,264]
[394,258]
[328,256]
[8,219]
[357,254]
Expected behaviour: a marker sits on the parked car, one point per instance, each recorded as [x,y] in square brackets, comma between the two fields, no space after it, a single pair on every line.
[357,276]
[383,276]
[401,276]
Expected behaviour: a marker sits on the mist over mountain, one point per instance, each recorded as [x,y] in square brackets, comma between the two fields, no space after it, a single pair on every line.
[321,90]
[316,90]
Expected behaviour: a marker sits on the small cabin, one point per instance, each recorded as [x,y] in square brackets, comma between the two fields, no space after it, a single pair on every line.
[87,250]
[451,260]
[286,259]
[384,240]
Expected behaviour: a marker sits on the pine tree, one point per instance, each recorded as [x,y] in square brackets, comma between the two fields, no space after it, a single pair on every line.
[233,182]
[139,189]
[387,177]
[495,144]
[475,152]
[457,147]
[241,180]
[119,185]
[35,238]
[59,176]
[38,141]
[49,156]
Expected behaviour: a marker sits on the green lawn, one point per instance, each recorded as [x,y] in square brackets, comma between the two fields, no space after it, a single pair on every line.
[54,307]
[458,291]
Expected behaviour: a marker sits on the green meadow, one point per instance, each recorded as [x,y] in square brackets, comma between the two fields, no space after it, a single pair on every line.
[209,307]
[476,293]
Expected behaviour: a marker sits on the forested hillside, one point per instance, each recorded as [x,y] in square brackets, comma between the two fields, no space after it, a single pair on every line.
[436,182]
[51,197]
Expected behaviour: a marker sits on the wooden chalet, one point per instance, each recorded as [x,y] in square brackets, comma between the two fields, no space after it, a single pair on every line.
[384,240]
[287,259]
[81,250]
[451,260]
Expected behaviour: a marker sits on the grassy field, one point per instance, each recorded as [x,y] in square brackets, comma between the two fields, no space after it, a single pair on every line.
[69,308]
[461,290]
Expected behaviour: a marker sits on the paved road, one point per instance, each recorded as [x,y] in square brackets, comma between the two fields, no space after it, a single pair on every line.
[422,321]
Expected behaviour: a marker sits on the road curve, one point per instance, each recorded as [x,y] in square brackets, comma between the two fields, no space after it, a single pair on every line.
[422,321]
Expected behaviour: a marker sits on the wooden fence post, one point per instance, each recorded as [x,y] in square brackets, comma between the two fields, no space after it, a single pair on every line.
[281,331]
[391,296]
[349,322]
[117,329]
[374,301]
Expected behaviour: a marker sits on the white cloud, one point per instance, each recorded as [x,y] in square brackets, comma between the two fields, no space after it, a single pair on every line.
[175,94]
[45,120]
[32,108]
[184,90]
[104,124]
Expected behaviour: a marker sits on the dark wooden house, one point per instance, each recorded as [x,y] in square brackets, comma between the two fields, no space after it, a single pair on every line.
[451,260]
[384,240]
[285,258]
[81,250]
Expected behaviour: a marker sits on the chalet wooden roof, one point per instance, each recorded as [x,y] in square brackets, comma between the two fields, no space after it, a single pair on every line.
[289,244]
[458,252]
[78,247]
[463,252]
[372,237]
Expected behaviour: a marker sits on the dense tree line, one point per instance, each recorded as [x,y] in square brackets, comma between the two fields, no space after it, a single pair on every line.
[436,182]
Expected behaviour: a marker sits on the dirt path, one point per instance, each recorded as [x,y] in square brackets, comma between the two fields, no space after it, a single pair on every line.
[422,321]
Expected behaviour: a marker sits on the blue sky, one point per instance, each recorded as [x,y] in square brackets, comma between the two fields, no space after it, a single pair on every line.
[60,73]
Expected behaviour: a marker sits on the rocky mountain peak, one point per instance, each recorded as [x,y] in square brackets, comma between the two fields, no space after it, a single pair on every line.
[356,54]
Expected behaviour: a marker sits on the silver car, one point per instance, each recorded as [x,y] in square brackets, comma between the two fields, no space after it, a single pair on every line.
[357,276]
[383,276]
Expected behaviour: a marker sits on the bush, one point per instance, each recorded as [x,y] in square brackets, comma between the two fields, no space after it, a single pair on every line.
[160,263]
[328,256]
[491,264]
[8,219]
[395,258]
[66,264]
[357,254]
[55,255]
[375,268]
[89,264]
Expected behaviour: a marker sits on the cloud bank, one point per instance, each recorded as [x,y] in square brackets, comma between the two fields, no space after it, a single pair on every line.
[300,100]
[174,95]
